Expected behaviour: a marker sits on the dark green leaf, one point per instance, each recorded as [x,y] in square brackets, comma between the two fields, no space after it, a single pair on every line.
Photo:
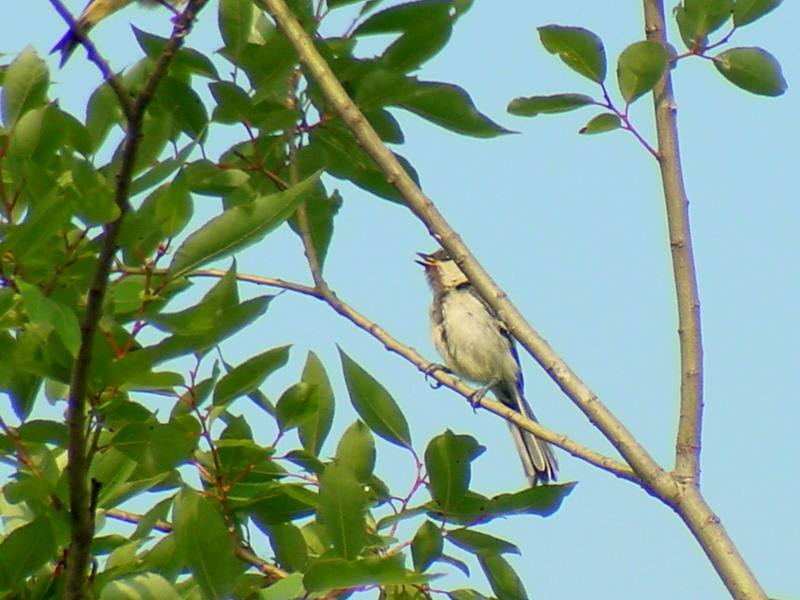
[418,45]
[342,505]
[579,48]
[752,69]
[480,543]
[249,375]
[24,86]
[447,459]
[557,103]
[289,545]
[205,544]
[320,211]
[640,67]
[238,227]
[374,404]
[541,500]
[314,430]
[295,405]
[404,17]
[501,575]
[356,451]
[426,546]
[747,11]
[185,105]
[334,574]
[449,106]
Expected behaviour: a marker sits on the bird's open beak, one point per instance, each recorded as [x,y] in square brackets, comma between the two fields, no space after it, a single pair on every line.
[426,260]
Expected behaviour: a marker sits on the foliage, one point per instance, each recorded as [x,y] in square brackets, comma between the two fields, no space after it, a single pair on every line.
[161,408]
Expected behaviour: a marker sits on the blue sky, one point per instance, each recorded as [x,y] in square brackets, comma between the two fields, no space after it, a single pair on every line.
[573,229]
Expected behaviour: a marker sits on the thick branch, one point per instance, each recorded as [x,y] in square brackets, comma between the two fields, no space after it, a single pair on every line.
[644,466]
[81,513]
[687,447]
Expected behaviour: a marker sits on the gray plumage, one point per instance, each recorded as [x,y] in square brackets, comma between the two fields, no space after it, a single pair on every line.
[476,345]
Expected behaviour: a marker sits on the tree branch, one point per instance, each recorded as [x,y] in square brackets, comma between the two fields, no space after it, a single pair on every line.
[643,464]
[82,519]
[690,504]
[687,447]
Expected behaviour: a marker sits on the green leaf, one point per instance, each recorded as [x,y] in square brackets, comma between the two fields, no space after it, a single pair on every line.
[541,500]
[184,104]
[403,17]
[697,18]
[639,68]
[466,594]
[426,546]
[24,86]
[238,227]
[449,106]
[102,113]
[324,575]
[24,550]
[314,429]
[374,404]
[291,550]
[205,544]
[143,586]
[579,48]
[447,460]
[601,123]
[418,45]
[294,406]
[342,505]
[747,11]
[356,451]
[248,376]
[48,313]
[320,211]
[752,69]
[290,586]
[557,103]
[480,543]
[235,23]
[501,575]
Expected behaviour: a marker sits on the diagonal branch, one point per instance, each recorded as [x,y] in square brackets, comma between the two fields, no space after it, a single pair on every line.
[643,464]
[81,500]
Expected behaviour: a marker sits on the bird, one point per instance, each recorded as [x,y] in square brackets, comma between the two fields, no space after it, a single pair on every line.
[477,346]
[96,11]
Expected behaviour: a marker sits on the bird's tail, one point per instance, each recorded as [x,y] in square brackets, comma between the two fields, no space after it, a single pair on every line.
[537,456]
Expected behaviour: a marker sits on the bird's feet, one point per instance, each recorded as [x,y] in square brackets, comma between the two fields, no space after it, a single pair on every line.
[429,374]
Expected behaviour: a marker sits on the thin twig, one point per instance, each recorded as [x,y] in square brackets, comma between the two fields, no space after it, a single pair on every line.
[82,519]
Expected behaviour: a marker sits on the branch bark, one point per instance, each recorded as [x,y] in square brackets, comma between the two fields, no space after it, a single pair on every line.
[690,505]
[687,446]
[81,497]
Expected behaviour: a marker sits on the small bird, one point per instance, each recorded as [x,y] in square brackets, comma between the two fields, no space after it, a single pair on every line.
[96,11]
[477,346]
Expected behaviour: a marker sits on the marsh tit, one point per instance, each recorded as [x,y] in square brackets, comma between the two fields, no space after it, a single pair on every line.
[476,345]
[96,11]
